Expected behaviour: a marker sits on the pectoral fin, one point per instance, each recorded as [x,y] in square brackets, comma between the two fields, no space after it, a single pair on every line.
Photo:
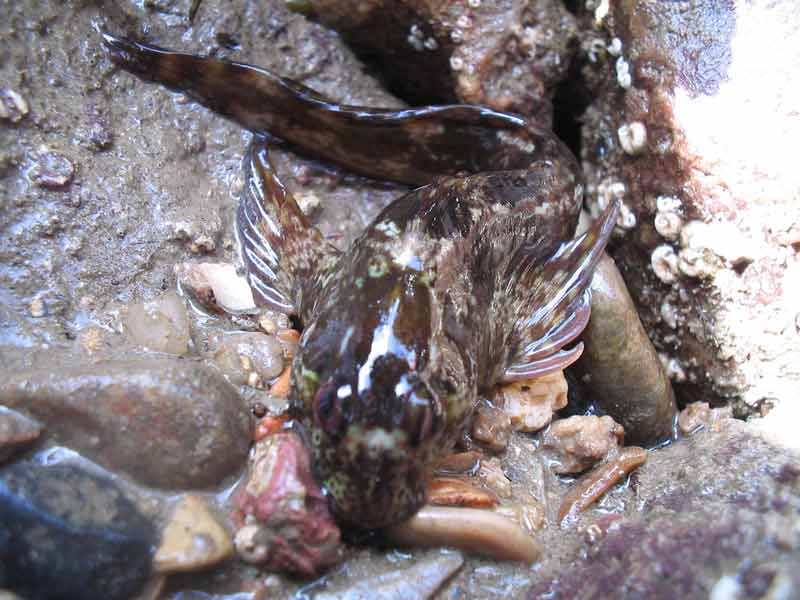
[553,299]
[287,258]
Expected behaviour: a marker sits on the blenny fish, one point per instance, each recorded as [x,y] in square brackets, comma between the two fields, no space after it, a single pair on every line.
[471,280]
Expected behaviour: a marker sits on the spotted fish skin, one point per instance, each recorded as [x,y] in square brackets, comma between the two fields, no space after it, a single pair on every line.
[468,281]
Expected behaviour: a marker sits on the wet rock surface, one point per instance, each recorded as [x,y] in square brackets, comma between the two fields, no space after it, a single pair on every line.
[708,243]
[508,55]
[152,182]
[17,432]
[620,365]
[166,423]
[68,533]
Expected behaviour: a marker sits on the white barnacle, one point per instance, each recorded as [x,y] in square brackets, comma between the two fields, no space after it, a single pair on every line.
[668,224]
[664,262]
[615,47]
[632,137]
[623,73]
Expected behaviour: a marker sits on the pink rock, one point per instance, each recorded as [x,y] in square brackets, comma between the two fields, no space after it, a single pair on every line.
[284,519]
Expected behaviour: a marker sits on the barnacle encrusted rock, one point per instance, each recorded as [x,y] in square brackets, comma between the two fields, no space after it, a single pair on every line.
[713,194]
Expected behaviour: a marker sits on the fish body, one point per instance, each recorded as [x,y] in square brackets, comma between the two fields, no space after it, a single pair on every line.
[468,281]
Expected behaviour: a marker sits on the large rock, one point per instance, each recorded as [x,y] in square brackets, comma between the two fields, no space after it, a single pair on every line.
[509,55]
[68,533]
[167,423]
[694,128]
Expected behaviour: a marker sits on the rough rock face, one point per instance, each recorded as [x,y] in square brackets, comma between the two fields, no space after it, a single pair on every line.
[693,128]
[509,55]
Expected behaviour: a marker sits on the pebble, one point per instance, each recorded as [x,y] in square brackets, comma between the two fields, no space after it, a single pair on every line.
[52,171]
[283,516]
[13,107]
[628,381]
[167,423]
[592,486]
[249,358]
[450,491]
[161,325]
[531,404]
[193,539]
[68,533]
[418,582]
[580,441]
[16,432]
[37,308]
[492,428]
[216,287]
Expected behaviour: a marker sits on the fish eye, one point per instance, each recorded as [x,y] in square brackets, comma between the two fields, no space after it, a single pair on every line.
[327,406]
[421,418]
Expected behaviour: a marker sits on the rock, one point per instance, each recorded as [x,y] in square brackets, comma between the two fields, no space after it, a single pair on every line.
[531,404]
[68,533]
[216,287]
[161,325]
[449,491]
[16,432]
[13,107]
[168,423]
[192,540]
[418,582]
[283,516]
[623,372]
[249,358]
[508,55]
[714,199]
[578,442]
[698,415]
[51,170]
[492,428]
[592,486]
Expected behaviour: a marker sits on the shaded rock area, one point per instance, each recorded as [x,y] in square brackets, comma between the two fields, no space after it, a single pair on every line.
[107,184]
[68,533]
[508,55]
[691,123]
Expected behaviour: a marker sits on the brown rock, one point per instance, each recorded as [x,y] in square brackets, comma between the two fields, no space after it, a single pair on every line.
[578,442]
[192,540]
[167,423]
[508,55]
[16,432]
[623,371]
[449,491]
[492,428]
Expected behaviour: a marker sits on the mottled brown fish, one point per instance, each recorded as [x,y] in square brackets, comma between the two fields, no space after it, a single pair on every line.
[466,282]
